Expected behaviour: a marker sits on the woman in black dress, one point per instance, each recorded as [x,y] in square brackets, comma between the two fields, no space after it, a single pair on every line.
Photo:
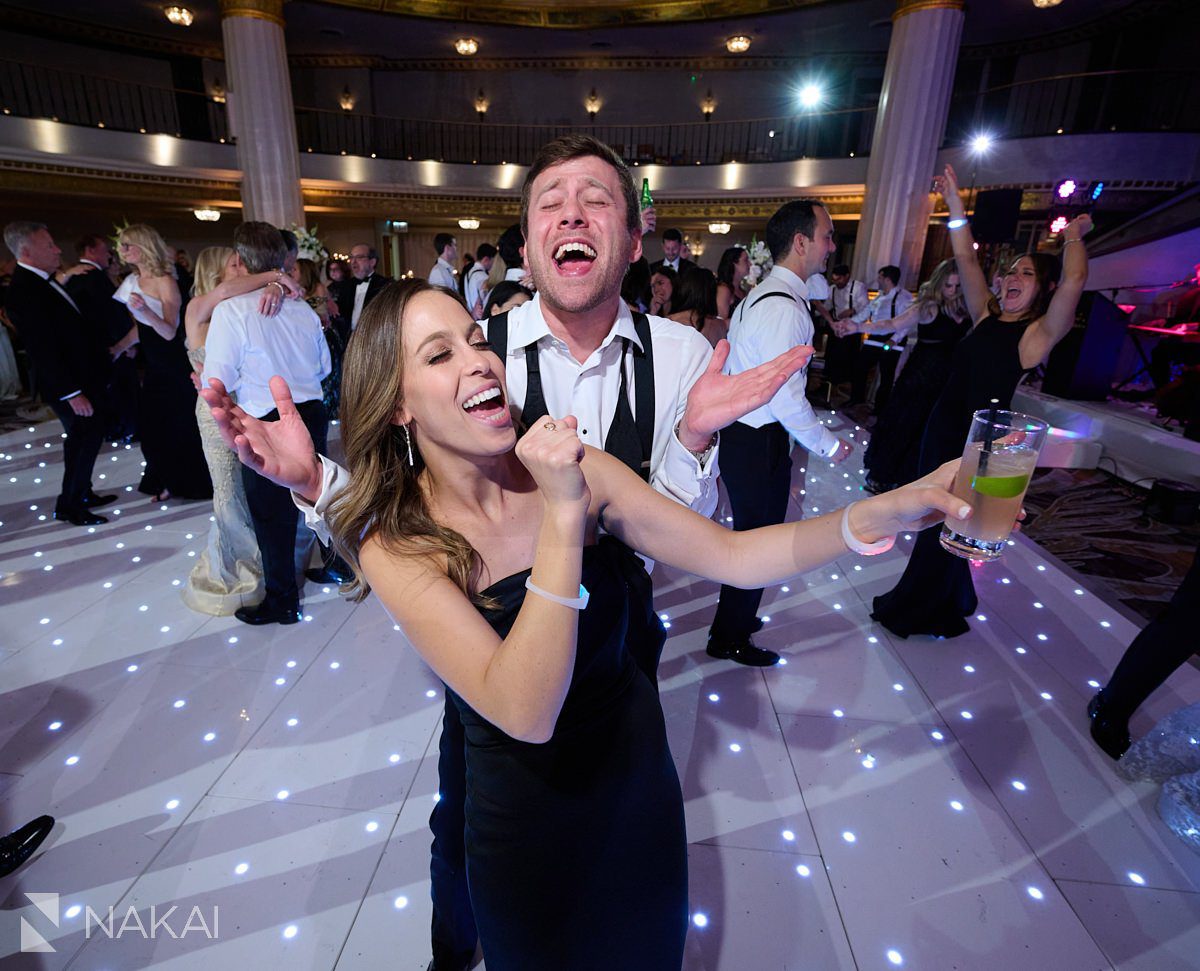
[175,463]
[1011,335]
[939,314]
[576,852]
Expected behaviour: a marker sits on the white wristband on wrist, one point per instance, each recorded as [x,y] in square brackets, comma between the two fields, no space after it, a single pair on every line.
[575,603]
[856,545]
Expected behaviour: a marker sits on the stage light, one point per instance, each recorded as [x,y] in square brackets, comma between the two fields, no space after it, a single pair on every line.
[1096,190]
[1058,224]
[981,144]
[1065,189]
[810,95]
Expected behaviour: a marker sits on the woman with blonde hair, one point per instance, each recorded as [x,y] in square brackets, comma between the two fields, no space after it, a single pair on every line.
[939,315]
[228,573]
[170,439]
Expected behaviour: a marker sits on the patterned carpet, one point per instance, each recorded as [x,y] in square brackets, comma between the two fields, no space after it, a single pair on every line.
[1096,524]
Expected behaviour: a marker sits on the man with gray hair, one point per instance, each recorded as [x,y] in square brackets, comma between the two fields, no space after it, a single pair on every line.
[70,364]
[246,350]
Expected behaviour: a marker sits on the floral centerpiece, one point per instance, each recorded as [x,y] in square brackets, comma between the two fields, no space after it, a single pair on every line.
[311,247]
[760,262]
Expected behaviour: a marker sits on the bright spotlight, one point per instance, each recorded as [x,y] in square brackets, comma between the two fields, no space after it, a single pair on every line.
[981,144]
[810,96]
[1066,188]
[1058,224]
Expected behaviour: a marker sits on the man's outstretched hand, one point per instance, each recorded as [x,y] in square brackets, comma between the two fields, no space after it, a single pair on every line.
[281,451]
[718,399]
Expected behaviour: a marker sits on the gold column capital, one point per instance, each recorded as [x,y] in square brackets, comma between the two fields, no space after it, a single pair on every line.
[904,7]
[269,10]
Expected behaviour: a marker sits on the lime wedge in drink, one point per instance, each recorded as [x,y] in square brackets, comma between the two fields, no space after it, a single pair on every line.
[1000,486]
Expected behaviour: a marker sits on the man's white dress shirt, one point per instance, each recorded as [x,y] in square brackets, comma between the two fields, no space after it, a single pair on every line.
[590,391]
[853,296]
[762,328]
[360,300]
[442,275]
[244,349]
[473,286]
[885,306]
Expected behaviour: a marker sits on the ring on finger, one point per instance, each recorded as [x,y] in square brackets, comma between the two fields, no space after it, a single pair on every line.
[550,426]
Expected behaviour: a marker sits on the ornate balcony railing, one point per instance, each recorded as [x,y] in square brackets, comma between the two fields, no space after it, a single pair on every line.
[1149,100]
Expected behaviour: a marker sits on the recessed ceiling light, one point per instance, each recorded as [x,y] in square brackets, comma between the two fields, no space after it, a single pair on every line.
[179,16]
[466,46]
[737,44]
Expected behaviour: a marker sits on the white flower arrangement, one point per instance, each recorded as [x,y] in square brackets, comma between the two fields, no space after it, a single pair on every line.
[760,262]
[311,247]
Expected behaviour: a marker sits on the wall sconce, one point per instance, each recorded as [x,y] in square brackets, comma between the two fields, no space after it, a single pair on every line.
[481,104]
[179,16]
[719,229]
[466,46]
[469,223]
[737,44]
[218,92]
[708,105]
[206,215]
[592,105]
[346,99]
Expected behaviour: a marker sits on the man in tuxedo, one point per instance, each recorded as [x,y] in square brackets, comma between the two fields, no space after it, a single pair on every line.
[93,293]
[672,253]
[70,364]
[355,294]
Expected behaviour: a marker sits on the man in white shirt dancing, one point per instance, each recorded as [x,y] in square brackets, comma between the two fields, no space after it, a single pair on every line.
[879,349]
[756,449]
[443,273]
[243,351]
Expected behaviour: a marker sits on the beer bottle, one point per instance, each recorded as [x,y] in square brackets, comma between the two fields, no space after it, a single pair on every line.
[647,199]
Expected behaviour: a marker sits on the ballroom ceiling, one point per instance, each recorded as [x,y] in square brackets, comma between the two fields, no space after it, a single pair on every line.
[377,28]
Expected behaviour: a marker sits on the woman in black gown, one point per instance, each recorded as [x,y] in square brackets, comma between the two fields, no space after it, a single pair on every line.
[175,465]
[1011,335]
[576,852]
[939,314]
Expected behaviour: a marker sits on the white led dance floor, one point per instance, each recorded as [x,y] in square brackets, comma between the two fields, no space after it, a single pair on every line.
[875,803]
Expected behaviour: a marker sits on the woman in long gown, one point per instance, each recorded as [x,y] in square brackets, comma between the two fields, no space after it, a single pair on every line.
[938,314]
[228,573]
[1011,335]
[576,851]
[175,464]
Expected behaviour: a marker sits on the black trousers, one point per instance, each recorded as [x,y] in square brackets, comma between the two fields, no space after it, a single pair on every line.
[1162,646]
[840,356]
[871,356]
[756,467]
[80,448]
[276,519]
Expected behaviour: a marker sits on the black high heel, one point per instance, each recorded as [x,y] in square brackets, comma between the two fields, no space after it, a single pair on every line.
[19,845]
[1110,733]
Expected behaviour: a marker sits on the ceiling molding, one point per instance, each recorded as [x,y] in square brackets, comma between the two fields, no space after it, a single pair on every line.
[589,63]
[578,16]
[97,35]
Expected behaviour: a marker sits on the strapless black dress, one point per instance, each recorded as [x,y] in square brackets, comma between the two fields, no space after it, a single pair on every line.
[576,852]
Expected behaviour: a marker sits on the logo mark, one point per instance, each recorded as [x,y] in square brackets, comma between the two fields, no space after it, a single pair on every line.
[32,941]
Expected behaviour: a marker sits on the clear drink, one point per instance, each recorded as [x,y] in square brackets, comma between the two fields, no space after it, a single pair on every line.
[998,460]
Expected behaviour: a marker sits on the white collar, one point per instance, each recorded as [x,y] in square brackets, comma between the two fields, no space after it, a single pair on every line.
[33,269]
[84,259]
[364,282]
[789,280]
[527,325]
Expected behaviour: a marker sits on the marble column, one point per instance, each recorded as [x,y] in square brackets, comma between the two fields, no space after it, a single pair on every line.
[260,110]
[909,127]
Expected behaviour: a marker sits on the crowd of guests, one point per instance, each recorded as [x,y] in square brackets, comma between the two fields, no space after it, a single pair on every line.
[508,559]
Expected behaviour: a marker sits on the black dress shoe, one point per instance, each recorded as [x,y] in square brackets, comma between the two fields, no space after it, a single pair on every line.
[326,575]
[19,845]
[263,614]
[741,651]
[79,517]
[1108,731]
[93,501]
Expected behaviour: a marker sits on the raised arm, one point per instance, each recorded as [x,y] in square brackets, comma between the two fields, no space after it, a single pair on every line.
[518,683]
[975,288]
[900,324]
[200,308]
[754,558]
[1039,339]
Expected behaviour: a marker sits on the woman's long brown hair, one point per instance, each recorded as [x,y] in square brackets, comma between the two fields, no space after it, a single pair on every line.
[384,500]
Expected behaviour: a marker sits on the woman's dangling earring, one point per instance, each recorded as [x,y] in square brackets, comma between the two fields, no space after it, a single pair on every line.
[408,442]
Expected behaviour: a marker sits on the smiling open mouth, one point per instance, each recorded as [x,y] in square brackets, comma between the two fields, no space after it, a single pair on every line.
[574,257]
[487,406]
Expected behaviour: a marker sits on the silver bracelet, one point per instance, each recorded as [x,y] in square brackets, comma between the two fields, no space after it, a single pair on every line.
[576,603]
[1072,240]
[957,223]
[856,545]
